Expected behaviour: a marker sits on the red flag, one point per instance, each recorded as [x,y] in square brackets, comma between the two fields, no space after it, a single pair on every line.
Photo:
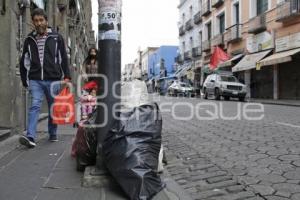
[217,57]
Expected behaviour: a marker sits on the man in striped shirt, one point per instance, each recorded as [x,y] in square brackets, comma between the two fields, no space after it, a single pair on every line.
[43,65]
[41,39]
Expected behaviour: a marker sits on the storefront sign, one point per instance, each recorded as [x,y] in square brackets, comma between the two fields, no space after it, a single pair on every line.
[260,42]
[288,42]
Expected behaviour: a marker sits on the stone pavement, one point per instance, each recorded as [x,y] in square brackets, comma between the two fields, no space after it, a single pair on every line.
[240,159]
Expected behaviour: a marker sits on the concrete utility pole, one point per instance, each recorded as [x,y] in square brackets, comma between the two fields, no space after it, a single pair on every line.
[109,65]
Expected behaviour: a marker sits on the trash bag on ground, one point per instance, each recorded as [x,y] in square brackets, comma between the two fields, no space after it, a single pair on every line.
[131,150]
[84,147]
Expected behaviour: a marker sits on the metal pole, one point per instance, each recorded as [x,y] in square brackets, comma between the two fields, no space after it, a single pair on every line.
[109,65]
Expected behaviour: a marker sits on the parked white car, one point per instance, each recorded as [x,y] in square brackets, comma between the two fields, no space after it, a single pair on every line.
[181,88]
[224,85]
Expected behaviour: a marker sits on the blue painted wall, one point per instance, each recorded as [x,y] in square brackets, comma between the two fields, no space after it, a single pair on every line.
[168,53]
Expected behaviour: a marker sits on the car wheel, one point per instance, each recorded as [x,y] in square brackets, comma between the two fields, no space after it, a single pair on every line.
[217,94]
[175,93]
[227,98]
[242,99]
[205,94]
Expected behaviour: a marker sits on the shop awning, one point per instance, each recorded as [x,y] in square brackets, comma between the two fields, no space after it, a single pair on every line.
[182,71]
[277,58]
[231,61]
[249,61]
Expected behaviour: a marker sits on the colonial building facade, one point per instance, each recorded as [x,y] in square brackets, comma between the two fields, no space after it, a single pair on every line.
[70,18]
[261,36]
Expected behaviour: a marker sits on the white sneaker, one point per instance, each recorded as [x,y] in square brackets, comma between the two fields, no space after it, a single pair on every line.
[28,142]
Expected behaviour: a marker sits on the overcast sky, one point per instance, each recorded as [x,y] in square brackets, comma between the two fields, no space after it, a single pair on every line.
[145,23]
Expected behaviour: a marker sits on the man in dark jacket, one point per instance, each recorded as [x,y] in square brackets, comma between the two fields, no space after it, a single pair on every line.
[43,64]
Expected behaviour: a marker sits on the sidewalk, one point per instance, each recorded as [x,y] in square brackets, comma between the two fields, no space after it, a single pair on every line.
[9,142]
[277,102]
[48,172]
[45,172]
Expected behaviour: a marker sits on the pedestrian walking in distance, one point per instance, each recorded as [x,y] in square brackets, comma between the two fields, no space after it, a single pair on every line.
[90,66]
[43,64]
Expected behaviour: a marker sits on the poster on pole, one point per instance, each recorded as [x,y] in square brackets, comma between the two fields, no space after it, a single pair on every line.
[110,20]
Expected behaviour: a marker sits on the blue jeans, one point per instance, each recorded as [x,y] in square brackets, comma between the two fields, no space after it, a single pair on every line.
[37,90]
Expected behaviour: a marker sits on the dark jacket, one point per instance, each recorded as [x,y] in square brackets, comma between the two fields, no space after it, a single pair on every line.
[55,65]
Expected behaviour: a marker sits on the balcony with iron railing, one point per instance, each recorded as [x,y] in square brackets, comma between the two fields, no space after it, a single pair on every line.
[234,33]
[197,51]
[198,17]
[288,10]
[188,25]
[257,24]
[187,55]
[179,59]
[218,40]
[206,45]
[206,8]
[216,3]
[181,31]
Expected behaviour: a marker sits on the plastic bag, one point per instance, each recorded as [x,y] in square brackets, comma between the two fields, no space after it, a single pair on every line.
[84,147]
[131,151]
[64,108]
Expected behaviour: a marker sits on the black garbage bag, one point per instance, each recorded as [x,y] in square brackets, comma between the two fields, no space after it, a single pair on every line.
[84,147]
[131,151]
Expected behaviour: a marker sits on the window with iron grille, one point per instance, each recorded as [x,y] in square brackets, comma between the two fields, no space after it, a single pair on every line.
[200,38]
[208,26]
[295,6]
[200,4]
[222,23]
[262,6]
[191,42]
[237,12]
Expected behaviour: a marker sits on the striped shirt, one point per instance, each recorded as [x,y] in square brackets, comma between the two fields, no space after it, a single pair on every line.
[41,47]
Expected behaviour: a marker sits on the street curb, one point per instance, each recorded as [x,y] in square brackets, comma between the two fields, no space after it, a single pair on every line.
[10,142]
[4,134]
[275,103]
[8,145]
[93,179]
[172,191]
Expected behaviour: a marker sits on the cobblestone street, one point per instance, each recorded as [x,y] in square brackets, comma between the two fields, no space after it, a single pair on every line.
[240,159]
